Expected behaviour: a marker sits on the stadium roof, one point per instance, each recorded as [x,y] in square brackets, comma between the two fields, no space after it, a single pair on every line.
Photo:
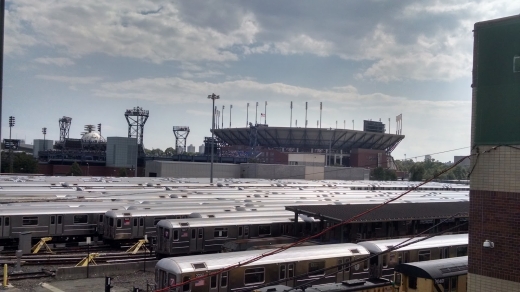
[311,138]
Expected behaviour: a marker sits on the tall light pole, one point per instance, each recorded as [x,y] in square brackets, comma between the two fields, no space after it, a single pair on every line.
[352,124]
[223,116]
[44,131]
[389,126]
[320,111]
[212,96]
[290,125]
[230,107]
[306,114]
[256,114]
[265,113]
[336,124]
[11,125]
[247,115]
[344,124]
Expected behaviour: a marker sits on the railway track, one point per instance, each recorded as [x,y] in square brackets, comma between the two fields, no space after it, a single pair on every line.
[109,258]
[31,275]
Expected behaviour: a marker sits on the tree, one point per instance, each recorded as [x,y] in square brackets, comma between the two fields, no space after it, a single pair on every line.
[169,151]
[75,170]
[22,163]
[417,172]
[123,172]
[380,173]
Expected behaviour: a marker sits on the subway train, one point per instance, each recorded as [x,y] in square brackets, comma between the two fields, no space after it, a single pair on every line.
[206,235]
[295,266]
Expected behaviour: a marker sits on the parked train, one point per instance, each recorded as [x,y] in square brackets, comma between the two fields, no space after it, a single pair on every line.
[181,237]
[295,266]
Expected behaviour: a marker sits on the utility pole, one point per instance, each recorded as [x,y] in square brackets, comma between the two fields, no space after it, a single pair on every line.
[247,115]
[305,114]
[223,116]
[320,111]
[290,125]
[344,124]
[352,124]
[256,114]
[389,126]
[230,107]
[11,125]
[265,113]
[212,97]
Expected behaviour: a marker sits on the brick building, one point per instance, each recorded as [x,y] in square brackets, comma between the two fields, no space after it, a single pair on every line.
[495,135]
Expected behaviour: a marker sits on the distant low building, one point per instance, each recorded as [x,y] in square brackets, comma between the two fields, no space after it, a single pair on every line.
[466,163]
[191,149]
[201,149]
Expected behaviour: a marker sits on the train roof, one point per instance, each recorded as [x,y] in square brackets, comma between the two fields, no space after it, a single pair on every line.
[230,221]
[377,246]
[53,211]
[435,269]
[195,263]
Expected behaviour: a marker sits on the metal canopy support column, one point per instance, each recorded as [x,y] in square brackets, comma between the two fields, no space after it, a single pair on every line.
[295,229]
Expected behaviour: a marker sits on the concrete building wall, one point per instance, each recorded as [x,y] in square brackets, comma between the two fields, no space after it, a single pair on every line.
[272,171]
[368,158]
[40,145]
[307,159]
[347,173]
[121,152]
[495,144]
[191,169]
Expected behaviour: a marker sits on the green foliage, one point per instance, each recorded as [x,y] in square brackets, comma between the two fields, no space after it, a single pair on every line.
[75,170]
[22,163]
[123,172]
[430,168]
[169,151]
[380,173]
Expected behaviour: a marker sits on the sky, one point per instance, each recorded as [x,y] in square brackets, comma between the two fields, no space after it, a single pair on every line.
[363,59]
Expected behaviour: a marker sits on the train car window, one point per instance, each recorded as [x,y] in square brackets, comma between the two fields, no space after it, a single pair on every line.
[406,257]
[254,276]
[454,284]
[385,260]
[213,282]
[315,267]
[200,233]
[29,221]
[119,225]
[290,270]
[282,272]
[126,221]
[223,280]
[53,220]
[424,255]
[59,219]
[80,219]
[176,235]
[193,233]
[340,265]
[186,287]
[264,230]
[135,222]
[366,265]
[240,230]
[100,218]
[141,222]
[412,282]
[246,231]
[111,222]
[6,221]
[220,232]
[462,251]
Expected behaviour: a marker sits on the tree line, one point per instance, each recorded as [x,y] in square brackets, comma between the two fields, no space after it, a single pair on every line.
[423,170]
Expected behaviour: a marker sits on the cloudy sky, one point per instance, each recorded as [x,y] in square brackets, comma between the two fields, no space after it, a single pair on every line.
[92,60]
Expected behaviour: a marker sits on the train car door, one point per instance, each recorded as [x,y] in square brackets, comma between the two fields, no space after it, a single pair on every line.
[135,227]
[5,226]
[193,239]
[343,270]
[141,227]
[59,224]
[52,225]
[200,239]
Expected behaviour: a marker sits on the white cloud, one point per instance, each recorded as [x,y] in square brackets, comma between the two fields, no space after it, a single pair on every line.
[61,62]
[70,79]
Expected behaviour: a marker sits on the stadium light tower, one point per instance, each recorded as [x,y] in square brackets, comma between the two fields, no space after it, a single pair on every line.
[212,96]
[223,116]
[265,113]
[290,125]
[247,115]
[256,114]
[230,107]
[44,132]
[11,125]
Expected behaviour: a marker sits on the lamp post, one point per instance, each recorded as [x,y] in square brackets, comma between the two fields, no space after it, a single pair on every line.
[265,114]
[11,125]
[256,114]
[212,96]
[223,117]
[352,124]
[44,131]
[230,107]
[247,115]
